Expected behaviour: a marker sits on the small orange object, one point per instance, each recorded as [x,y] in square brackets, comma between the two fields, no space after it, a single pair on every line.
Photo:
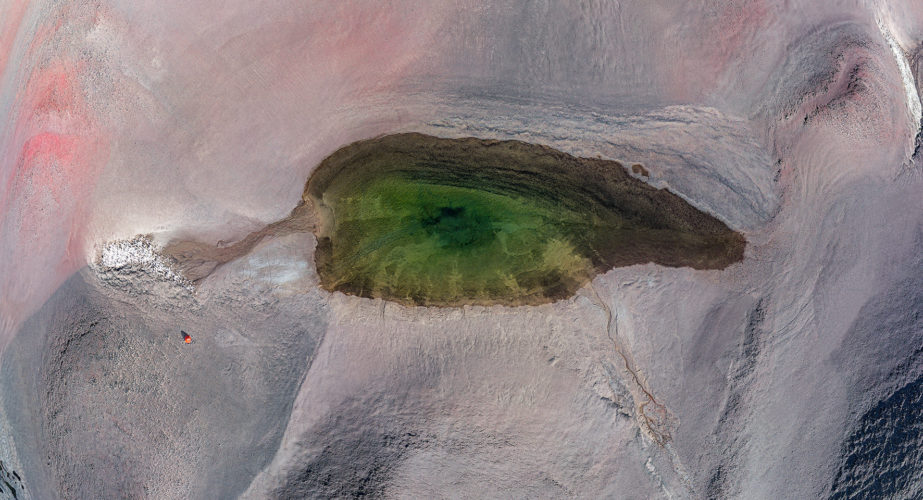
[186,338]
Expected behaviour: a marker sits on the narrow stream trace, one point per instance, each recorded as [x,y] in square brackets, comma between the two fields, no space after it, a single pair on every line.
[653,418]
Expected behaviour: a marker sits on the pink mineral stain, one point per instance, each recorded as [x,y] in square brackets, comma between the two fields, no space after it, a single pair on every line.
[47,192]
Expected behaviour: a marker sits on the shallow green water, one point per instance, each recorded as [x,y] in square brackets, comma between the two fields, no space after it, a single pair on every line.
[434,243]
[423,220]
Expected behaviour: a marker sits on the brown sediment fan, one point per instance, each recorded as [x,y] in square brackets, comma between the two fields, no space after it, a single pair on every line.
[675,233]
[196,260]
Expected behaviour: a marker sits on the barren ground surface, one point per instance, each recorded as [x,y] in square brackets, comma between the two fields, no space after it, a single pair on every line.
[793,373]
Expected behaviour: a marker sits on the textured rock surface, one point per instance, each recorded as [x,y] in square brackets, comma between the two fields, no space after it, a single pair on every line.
[794,373]
[125,409]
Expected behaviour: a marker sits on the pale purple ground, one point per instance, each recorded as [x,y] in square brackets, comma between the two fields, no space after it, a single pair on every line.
[797,125]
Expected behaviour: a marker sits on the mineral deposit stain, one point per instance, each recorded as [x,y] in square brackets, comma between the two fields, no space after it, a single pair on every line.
[423,220]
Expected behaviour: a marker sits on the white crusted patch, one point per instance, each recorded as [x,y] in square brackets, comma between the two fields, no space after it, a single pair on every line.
[138,254]
[914,107]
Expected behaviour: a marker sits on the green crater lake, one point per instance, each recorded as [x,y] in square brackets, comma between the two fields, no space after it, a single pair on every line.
[423,220]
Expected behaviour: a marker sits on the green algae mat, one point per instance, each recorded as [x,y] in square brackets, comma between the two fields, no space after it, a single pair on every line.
[424,220]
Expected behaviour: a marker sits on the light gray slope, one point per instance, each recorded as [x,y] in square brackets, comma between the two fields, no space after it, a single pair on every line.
[106,401]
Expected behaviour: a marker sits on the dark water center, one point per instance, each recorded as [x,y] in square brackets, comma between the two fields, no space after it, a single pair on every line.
[458,227]
[423,220]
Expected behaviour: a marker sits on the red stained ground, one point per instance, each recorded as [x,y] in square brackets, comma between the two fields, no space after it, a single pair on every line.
[59,150]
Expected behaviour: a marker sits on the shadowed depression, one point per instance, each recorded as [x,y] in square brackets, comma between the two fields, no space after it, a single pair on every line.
[423,220]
